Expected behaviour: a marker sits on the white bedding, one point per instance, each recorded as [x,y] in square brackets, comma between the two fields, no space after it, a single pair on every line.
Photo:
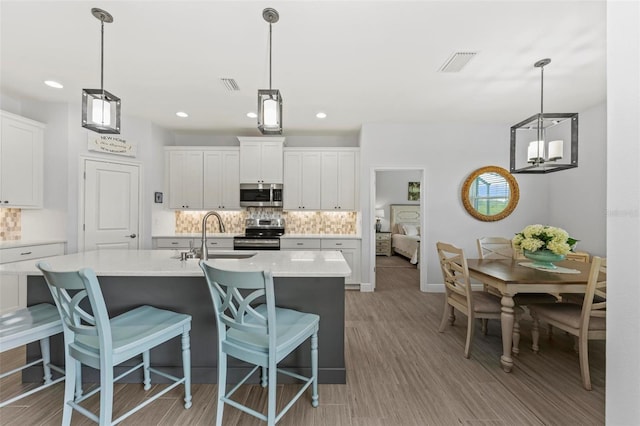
[406,245]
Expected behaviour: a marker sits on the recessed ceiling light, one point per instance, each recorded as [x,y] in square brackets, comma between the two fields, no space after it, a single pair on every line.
[252,115]
[182,114]
[53,84]
[321,115]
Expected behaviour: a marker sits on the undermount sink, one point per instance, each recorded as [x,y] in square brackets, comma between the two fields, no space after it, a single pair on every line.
[234,255]
[219,255]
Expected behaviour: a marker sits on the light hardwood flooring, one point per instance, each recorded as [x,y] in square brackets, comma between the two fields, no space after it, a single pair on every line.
[401,371]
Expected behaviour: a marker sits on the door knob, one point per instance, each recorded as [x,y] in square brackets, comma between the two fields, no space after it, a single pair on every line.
[131,236]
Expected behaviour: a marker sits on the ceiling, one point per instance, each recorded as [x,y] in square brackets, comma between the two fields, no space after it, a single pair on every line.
[359,62]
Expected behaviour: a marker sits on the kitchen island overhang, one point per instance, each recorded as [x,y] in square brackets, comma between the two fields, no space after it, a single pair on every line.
[309,281]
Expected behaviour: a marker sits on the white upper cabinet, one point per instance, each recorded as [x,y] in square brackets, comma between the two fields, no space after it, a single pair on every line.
[222,179]
[261,159]
[339,184]
[185,179]
[21,162]
[203,178]
[302,175]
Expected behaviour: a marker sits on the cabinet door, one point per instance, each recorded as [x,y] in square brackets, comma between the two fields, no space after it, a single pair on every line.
[311,172]
[250,162]
[292,196]
[185,179]
[347,180]
[231,180]
[329,192]
[21,164]
[271,162]
[213,180]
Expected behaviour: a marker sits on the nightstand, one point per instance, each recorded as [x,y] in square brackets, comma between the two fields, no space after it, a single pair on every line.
[383,243]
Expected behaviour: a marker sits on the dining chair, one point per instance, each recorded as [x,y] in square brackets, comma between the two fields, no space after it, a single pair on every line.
[252,329]
[35,323]
[576,297]
[92,339]
[586,321]
[502,248]
[459,295]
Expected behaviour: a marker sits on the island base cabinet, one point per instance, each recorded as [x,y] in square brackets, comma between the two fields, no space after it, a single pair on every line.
[190,295]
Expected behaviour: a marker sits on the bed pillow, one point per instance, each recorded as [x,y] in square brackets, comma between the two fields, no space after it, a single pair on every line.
[410,230]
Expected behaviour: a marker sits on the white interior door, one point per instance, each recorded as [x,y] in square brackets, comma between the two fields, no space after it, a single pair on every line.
[111,205]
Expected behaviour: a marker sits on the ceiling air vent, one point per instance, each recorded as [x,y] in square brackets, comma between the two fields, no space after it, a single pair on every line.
[230,84]
[457,61]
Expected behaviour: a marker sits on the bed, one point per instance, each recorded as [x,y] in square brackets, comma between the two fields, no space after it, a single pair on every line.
[405,231]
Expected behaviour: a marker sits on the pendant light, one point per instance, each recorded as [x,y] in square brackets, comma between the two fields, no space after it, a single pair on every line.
[270,100]
[540,156]
[101,109]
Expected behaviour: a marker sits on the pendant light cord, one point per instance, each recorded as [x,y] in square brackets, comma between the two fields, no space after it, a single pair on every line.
[102,55]
[269,56]
[540,118]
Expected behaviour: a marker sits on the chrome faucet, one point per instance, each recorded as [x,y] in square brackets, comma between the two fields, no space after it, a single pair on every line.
[204,254]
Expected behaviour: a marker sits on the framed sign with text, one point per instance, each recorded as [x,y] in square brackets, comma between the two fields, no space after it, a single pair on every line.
[111,144]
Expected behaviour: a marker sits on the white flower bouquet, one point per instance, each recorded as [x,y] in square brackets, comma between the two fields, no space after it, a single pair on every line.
[540,237]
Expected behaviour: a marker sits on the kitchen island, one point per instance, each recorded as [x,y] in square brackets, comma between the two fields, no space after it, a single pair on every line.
[309,281]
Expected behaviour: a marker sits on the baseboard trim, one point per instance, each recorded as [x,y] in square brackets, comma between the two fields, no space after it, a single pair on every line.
[366,287]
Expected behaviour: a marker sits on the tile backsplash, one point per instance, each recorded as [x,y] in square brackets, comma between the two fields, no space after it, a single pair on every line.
[10,224]
[315,222]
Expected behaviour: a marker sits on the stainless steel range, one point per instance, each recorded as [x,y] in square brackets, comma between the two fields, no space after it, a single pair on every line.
[260,234]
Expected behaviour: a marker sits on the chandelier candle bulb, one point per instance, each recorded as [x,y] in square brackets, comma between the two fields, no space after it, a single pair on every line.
[535,153]
[555,150]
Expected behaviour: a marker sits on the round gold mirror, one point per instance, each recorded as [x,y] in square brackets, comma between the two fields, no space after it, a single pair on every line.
[490,193]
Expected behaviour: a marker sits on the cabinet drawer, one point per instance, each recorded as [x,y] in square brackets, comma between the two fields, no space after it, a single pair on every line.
[175,243]
[218,243]
[338,244]
[30,252]
[300,244]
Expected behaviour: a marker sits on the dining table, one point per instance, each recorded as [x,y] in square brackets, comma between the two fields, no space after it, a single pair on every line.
[510,277]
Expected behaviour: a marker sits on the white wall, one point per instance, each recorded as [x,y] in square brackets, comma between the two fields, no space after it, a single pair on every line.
[448,153]
[206,139]
[392,188]
[623,212]
[577,197]
[65,142]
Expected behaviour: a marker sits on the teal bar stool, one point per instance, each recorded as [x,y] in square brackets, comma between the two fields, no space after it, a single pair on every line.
[252,329]
[27,325]
[95,340]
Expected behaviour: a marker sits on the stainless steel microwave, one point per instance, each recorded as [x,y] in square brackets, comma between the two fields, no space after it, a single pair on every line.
[261,195]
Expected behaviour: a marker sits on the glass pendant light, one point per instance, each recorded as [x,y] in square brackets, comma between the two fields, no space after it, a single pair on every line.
[540,156]
[270,100]
[101,109]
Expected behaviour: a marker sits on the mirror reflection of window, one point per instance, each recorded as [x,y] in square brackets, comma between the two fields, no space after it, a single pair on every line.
[490,193]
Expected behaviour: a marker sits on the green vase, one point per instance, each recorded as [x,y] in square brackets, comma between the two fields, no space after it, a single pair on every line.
[543,259]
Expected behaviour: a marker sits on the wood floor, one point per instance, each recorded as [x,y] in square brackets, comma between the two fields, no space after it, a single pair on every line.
[400,371]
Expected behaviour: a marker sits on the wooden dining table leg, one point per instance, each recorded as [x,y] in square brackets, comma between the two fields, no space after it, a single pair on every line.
[507,319]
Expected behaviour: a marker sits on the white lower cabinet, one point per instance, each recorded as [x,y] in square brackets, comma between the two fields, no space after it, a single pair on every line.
[13,288]
[350,249]
[186,243]
[300,244]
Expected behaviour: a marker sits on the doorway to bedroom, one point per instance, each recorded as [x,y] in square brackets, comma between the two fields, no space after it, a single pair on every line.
[398,221]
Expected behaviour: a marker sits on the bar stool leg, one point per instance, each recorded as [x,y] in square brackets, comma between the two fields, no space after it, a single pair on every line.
[145,369]
[46,359]
[186,365]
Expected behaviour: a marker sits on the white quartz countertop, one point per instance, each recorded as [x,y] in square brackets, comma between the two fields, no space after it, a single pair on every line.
[159,263]
[27,243]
